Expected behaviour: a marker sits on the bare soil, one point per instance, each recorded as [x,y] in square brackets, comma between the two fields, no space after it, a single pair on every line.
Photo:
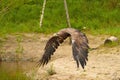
[103,63]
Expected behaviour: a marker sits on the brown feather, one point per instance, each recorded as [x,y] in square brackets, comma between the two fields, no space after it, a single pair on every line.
[79,46]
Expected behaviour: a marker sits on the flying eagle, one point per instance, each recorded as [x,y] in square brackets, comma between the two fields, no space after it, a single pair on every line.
[79,46]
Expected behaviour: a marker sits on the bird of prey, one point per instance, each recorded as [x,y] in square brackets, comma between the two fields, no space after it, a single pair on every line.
[79,46]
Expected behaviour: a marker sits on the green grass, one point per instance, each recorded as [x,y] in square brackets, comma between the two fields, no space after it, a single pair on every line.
[108,31]
[51,70]
[21,16]
[111,44]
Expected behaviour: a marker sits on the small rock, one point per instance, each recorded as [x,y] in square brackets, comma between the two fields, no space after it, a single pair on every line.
[111,39]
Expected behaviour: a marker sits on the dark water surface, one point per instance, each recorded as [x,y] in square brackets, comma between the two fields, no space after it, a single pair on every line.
[15,70]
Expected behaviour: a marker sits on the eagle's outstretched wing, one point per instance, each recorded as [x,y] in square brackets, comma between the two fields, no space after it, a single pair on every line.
[80,49]
[51,47]
[79,46]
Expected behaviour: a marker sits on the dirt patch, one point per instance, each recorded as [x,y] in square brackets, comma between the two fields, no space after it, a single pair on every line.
[101,66]
[23,47]
[103,63]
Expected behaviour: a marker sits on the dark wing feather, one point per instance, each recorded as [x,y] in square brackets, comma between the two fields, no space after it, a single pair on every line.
[51,47]
[79,46]
[80,49]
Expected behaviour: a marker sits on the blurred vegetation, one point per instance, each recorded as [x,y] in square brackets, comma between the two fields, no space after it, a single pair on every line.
[96,16]
[12,75]
[51,70]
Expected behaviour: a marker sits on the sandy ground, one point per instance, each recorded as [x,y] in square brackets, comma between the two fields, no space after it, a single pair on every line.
[103,63]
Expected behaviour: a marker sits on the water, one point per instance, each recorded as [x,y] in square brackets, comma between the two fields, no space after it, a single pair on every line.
[15,70]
